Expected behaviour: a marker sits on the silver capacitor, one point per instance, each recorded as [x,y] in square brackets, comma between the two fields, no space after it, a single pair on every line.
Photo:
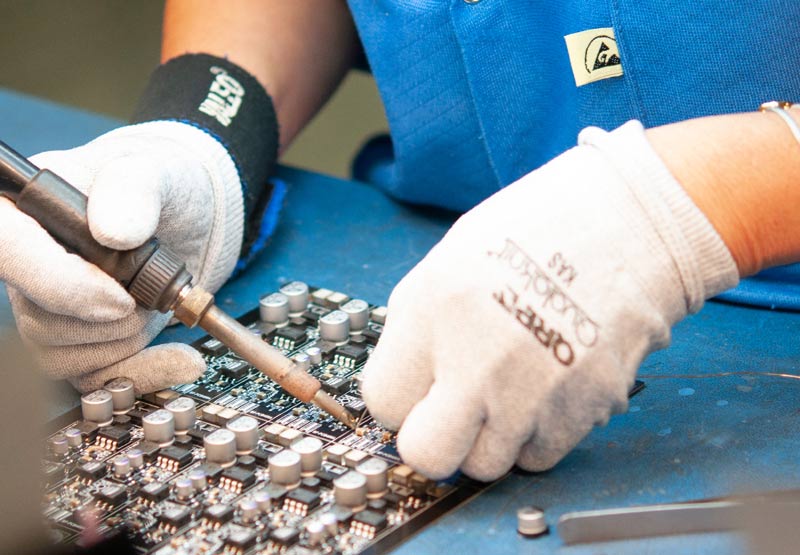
[284,468]
[135,457]
[350,489]
[199,479]
[376,472]
[263,500]
[358,312]
[98,407]
[274,309]
[316,532]
[159,427]
[184,488]
[249,509]
[123,395]
[302,360]
[314,355]
[74,437]
[335,326]
[245,428]
[59,444]
[531,522]
[122,466]
[310,451]
[220,447]
[184,411]
[330,522]
[297,294]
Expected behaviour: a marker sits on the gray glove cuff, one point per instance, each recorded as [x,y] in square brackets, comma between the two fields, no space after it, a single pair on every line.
[700,258]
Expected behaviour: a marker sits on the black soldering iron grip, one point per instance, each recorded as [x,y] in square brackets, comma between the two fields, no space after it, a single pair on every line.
[60,208]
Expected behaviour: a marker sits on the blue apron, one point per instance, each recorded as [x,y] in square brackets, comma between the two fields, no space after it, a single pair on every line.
[477,94]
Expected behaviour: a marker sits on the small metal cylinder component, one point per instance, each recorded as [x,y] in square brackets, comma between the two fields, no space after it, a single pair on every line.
[310,451]
[98,407]
[74,437]
[123,395]
[350,489]
[184,411]
[284,468]
[530,521]
[302,360]
[184,488]
[122,466]
[274,309]
[263,500]
[220,447]
[249,510]
[199,479]
[376,472]
[136,458]
[316,532]
[245,428]
[330,522]
[335,326]
[59,444]
[297,294]
[314,355]
[358,313]
[159,427]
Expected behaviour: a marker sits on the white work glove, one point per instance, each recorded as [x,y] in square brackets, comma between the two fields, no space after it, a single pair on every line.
[162,178]
[524,327]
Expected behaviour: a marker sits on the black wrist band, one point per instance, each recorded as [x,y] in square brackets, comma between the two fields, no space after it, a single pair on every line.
[228,103]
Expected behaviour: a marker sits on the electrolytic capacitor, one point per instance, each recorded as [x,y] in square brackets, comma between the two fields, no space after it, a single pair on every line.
[302,360]
[245,428]
[330,522]
[316,532]
[376,472]
[122,466]
[59,444]
[274,309]
[136,458]
[123,395]
[220,447]
[199,479]
[159,427]
[531,522]
[263,500]
[314,355]
[350,489]
[74,437]
[184,488]
[183,410]
[98,407]
[284,468]
[335,326]
[310,451]
[297,294]
[358,313]
[249,510]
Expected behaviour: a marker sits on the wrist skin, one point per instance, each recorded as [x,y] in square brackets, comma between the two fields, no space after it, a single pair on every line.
[743,172]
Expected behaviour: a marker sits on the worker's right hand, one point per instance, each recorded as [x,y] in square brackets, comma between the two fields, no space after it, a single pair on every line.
[163,178]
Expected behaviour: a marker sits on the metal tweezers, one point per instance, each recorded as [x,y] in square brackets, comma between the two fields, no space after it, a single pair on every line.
[704,515]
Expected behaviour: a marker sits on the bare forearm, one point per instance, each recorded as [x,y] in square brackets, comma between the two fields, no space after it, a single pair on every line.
[299,49]
[743,172]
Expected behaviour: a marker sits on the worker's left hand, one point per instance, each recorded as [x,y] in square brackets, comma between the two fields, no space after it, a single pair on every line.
[524,327]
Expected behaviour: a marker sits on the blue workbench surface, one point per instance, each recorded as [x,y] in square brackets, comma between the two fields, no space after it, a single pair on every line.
[714,419]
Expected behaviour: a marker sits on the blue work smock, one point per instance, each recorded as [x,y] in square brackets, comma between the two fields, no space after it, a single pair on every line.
[479,93]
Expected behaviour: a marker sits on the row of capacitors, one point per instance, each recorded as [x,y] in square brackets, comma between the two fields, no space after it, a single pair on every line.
[302,457]
[350,318]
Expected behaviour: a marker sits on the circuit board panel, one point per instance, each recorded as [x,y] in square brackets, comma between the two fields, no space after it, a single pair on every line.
[232,464]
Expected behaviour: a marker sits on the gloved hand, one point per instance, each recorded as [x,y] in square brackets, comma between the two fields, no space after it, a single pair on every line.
[525,325]
[161,178]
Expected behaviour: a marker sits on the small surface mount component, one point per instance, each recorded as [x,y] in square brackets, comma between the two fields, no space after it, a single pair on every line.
[232,465]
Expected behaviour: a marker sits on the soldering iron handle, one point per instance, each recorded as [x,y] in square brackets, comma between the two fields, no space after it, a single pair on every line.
[151,273]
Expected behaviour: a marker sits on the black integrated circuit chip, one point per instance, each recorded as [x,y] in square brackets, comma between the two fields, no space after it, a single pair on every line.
[112,437]
[219,513]
[175,515]
[112,495]
[285,536]
[237,478]
[154,492]
[350,356]
[92,470]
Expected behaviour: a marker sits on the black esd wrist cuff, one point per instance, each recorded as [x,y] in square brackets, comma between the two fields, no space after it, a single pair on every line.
[228,103]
